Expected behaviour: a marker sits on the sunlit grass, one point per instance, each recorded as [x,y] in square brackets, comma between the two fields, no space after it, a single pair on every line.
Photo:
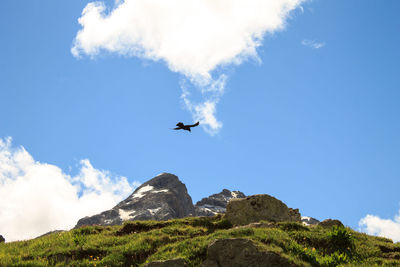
[139,242]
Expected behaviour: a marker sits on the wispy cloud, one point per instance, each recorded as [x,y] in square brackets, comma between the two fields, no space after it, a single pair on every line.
[205,111]
[193,37]
[375,225]
[313,44]
[39,197]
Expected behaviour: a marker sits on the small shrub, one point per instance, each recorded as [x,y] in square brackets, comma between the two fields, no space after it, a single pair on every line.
[341,239]
[335,259]
[304,253]
[79,238]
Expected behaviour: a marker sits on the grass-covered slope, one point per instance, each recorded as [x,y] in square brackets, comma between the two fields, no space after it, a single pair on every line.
[139,242]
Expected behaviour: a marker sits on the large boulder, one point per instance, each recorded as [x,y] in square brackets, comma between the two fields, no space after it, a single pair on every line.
[161,198]
[216,203]
[260,207]
[241,252]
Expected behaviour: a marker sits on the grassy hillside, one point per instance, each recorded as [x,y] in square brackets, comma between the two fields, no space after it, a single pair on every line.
[135,243]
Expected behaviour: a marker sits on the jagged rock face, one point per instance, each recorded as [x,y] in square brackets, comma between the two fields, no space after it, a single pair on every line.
[216,203]
[161,198]
[241,252]
[260,207]
[309,220]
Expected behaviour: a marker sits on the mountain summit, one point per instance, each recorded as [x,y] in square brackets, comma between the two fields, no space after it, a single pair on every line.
[161,198]
[216,203]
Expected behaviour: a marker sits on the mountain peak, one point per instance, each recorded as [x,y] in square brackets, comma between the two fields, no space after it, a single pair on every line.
[163,180]
[216,203]
[161,198]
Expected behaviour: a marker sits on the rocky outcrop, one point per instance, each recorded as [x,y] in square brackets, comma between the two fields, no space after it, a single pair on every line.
[167,263]
[216,203]
[330,223]
[165,197]
[309,220]
[161,198]
[2,239]
[241,252]
[260,207]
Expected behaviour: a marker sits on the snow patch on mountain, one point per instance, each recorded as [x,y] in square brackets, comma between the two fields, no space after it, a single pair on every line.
[216,203]
[145,189]
[212,208]
[160,191]
[140,193]
[153,211]
[125,215]
[309,220]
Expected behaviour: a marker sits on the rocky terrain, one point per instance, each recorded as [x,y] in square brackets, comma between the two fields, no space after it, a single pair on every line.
[207,241]
[256,208]
[216,203]
[309,220]
[161,198]
[158,226]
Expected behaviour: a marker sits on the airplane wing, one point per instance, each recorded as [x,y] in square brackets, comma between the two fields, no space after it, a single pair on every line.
[194,125]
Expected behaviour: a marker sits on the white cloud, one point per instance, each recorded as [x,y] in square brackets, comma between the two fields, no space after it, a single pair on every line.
[313,44]
[205,111]
[194,37]
[39,197]
[374,225]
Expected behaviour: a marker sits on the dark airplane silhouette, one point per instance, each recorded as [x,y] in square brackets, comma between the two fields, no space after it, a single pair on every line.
[181,126]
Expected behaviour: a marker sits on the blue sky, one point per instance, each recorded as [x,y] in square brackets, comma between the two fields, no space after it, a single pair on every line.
[312,121]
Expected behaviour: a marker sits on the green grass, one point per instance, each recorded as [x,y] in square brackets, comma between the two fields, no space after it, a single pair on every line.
[139,242]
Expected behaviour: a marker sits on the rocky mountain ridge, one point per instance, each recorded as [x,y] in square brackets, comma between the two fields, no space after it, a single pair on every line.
[165,197]
[161,198]
[229,239]
[216,203]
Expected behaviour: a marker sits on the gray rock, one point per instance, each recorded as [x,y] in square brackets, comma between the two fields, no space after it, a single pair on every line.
[239,253]
[309,220]
[2,239]
[161,198]
[167,263]
[260,207]
[216,203]
[330,223]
